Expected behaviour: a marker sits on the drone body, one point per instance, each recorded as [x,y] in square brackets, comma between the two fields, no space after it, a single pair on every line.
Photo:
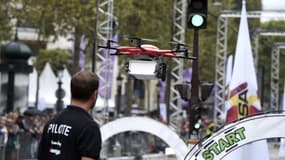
[147,63]
[150,50]
[143,68]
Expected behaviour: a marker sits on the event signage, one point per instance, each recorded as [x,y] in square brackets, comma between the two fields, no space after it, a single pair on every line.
[237,134]
[229,140]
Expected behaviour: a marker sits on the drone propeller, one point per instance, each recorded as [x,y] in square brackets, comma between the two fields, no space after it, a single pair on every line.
[139,38]
[137,41]
[108,46]
[175,42]
[112,41]
[181,47]
[178,44]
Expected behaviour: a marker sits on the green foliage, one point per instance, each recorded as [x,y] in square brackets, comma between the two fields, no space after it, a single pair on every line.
[266,44]
[54,57]
[142,18]
[5,31]
[55,17]
[273,25]
[145,19]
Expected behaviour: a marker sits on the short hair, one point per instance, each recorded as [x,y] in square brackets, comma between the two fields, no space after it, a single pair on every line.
[83,84]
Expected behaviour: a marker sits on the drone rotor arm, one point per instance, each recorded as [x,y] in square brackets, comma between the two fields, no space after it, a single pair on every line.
[107,47]
[189,57]
[117,54]
[172,55]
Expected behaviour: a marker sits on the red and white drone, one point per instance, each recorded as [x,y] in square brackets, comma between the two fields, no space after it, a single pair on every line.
[147,63]
[148,50]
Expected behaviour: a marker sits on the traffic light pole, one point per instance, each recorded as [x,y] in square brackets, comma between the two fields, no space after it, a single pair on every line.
[194,101]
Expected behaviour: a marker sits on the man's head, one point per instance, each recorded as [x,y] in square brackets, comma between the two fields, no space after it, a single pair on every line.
[84,86]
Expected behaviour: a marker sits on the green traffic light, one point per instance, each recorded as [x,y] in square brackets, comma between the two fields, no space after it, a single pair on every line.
[197,20]
[197,126]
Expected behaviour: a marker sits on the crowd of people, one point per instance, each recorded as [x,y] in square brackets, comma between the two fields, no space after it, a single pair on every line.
[20,133]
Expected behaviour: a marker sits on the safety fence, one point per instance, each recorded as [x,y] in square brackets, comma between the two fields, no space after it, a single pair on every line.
[18,146]
[143,157]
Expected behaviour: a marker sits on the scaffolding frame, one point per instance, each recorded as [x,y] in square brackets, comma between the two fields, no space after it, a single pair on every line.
[274,78]
[221,55]
[178,36]
[104,32]
[256,36]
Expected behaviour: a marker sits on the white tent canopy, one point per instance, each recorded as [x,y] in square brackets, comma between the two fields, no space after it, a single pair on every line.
[66,85]
[47,87]
[32,87]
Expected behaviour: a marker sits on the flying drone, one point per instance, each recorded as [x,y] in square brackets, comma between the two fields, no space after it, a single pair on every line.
[146,62]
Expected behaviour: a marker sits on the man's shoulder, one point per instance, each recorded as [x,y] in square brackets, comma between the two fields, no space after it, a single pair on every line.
[91,124]
[74,118]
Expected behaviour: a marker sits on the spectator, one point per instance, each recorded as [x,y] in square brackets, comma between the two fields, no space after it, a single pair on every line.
[73,134]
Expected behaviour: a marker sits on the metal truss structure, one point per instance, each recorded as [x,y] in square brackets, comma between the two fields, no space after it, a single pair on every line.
[179,27]
[275,64]
[221,55]
[104,32]
[255,43]
[274,78]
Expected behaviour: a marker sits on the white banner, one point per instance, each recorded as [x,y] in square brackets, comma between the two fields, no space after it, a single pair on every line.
[237,134]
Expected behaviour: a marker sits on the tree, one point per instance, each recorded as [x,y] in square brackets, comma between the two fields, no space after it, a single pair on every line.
[54,57]
[265,50]
[55,18]
[145,19]
[5,23]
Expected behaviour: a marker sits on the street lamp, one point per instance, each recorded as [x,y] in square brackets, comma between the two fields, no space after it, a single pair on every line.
[59,93]
[14,81]
[119,94]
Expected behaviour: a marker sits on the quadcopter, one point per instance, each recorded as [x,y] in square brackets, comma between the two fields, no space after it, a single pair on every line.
[147,63]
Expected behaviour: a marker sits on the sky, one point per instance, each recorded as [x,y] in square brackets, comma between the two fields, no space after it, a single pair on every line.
[277,5]
[273,4]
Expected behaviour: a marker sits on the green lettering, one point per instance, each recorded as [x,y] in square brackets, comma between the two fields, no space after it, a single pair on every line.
[223,144]
[231,138]
[214,148]
[207,155]
[240,132]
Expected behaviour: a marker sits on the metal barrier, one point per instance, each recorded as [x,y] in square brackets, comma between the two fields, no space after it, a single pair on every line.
[144,157]
[18,146]
[3,142]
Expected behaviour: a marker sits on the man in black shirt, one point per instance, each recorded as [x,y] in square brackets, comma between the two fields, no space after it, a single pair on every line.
[73,134]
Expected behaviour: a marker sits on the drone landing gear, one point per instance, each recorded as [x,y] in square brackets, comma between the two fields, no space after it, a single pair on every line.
[162,71]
